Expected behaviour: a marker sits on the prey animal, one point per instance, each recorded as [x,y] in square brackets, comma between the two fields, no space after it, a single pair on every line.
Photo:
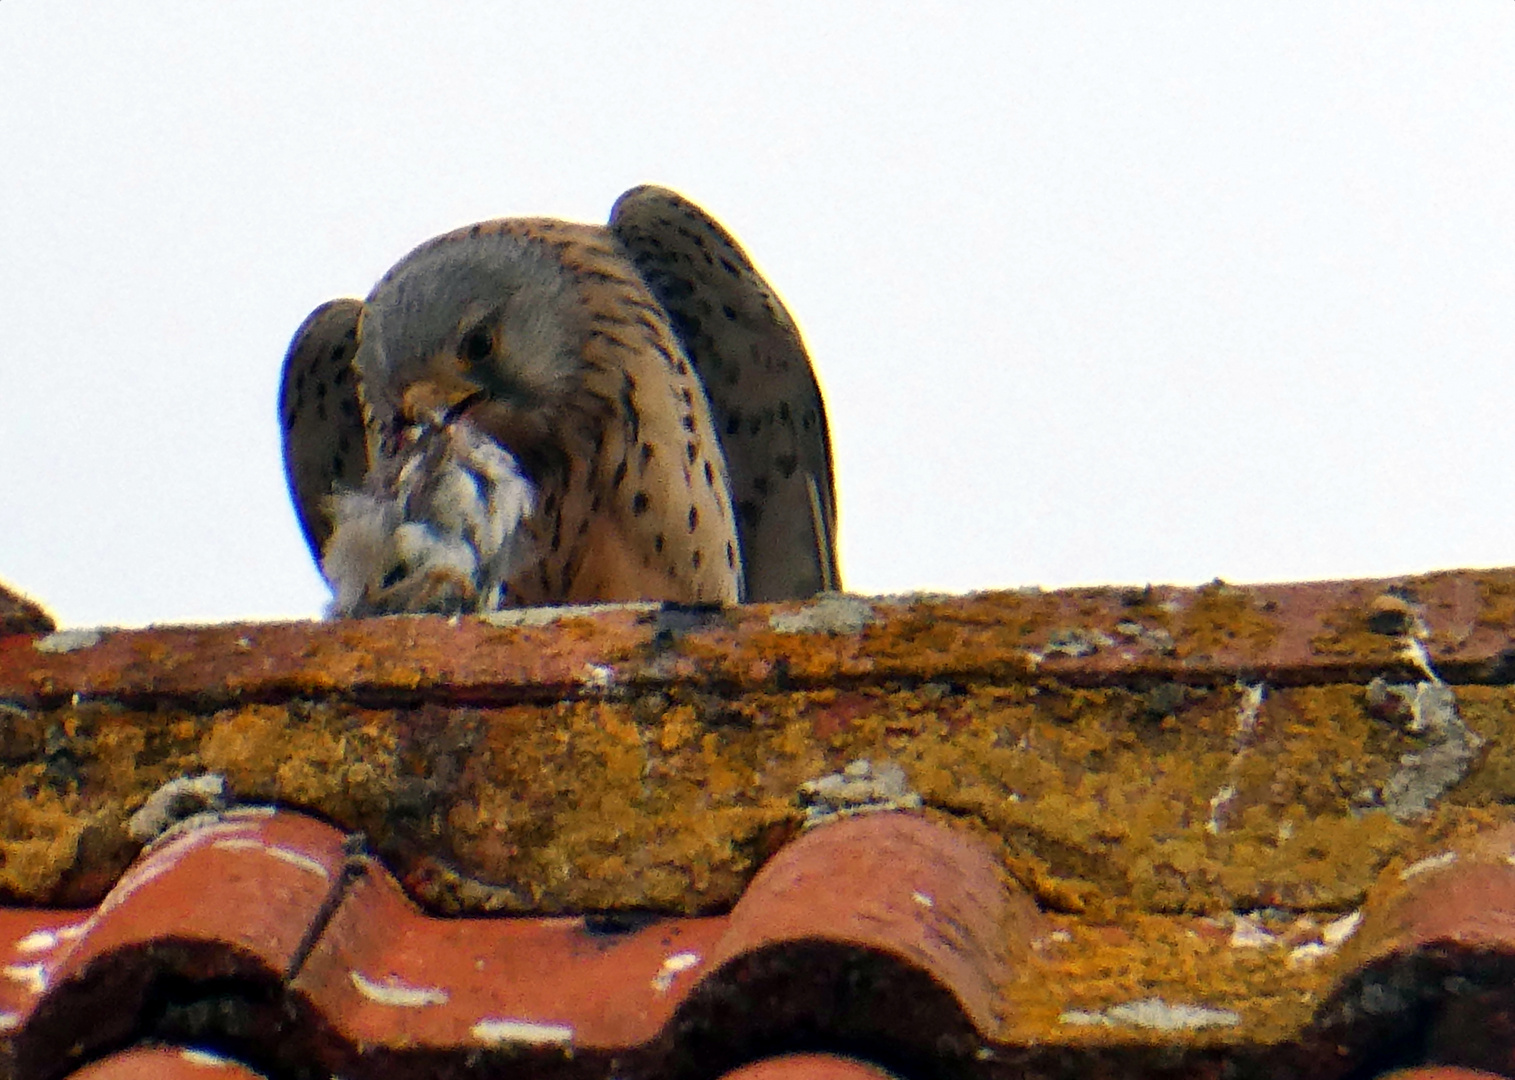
[532,411]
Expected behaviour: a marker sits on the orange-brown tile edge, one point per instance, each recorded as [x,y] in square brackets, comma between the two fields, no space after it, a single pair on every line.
[18,615]
[1293,634]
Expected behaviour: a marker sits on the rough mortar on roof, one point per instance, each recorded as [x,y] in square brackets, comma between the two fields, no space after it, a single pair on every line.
[669,799]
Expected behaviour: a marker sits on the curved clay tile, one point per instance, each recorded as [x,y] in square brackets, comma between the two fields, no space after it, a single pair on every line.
[158,1062]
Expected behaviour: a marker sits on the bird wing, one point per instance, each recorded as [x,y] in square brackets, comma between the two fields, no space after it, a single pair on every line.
[321,416]
[768,406]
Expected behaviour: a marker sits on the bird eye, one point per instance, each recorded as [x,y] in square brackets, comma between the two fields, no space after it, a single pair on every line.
[476,345]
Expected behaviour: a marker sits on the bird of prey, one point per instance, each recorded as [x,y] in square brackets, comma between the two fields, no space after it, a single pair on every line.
[532,411]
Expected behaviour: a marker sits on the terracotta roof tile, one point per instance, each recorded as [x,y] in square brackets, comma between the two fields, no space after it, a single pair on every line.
[808,1067]
[1304,634]
[1161,832]
[266,937]
[390,976]
[267,911]
[18,615]
[165,1063]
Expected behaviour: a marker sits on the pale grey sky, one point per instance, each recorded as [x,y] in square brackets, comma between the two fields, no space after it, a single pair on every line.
[1116,291]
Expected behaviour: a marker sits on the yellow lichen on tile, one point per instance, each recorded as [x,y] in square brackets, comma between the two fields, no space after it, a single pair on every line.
[1219,617]
[44,834]
[1496,606]
[314,757]
[1116,793]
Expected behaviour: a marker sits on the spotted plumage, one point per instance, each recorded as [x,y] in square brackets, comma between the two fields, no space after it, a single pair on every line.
[762,389]
[321,414]
[521,413]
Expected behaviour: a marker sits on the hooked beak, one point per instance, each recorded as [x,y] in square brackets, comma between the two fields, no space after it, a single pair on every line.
[441,395]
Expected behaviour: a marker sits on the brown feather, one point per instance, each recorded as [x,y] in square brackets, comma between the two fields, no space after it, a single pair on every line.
[320,416]
[767,404]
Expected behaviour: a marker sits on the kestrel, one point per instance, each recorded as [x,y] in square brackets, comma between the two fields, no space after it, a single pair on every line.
[530,411]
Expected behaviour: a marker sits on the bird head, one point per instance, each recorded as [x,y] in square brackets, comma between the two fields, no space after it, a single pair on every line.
[482,325]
